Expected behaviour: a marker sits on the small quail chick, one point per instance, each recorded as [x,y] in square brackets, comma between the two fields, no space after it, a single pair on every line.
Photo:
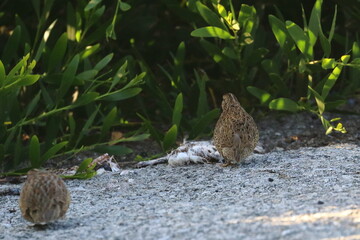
[235,133]
[44,197]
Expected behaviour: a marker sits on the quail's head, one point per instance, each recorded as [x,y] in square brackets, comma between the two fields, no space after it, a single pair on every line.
[229,102]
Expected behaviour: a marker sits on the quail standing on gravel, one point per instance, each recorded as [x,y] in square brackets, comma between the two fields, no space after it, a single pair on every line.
[235,133]
[44,197]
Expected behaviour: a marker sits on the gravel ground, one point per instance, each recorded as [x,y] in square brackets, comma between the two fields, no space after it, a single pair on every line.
[308,193]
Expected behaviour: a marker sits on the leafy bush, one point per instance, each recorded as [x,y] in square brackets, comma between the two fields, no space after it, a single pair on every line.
[62,97]
[298,45]
[87,67]
[240,60]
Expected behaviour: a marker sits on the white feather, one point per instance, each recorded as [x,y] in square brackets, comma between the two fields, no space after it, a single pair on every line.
[194,152]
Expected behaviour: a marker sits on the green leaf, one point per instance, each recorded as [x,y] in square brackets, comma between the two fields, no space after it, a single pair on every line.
[329,130]
[212,32]
[89,51]
[20,82]
[247,17]
[325,43]
[221,10]
[120,94]
[28,80]
[333,25]
[33,103]
[314,23]
[21,64]
[71,22]
[135,81]
[58,53]
[270,66]
[302,65]
[84,165]
[334,75]
[108,122]
[170,138]
[85,170]
[36,5]
[44,39]
[335,119]
[103,62]
[355,53]
[113,150]
[110,32]
[279,30]
[46,10]
[134,138]
[180,55]
[11,46]
[91,4]
[176,117]
[203,122]
[53,150]
[355,69]
[301,40]
[262,95]
[46,96]
[87,75]
[124,6]
[34,152]
[120,75]
[68,76]
[328,63]
[230,53]
[209,16]
[25,39]
[284,104]
[2,74]
[340,128]
[345,58]
[173,80]
[96,16]
[82,176]
[319,100]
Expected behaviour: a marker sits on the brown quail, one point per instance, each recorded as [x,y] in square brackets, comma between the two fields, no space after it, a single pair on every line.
[44,197]
[235,133]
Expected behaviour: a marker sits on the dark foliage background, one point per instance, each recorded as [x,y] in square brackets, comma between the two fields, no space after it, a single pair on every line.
[138,69]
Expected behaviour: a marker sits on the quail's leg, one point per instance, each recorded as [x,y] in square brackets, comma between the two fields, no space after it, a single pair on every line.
[227,153]
[237,147]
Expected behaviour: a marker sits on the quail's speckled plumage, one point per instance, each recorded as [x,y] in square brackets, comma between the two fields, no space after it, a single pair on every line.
[44,197]
[235,133]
